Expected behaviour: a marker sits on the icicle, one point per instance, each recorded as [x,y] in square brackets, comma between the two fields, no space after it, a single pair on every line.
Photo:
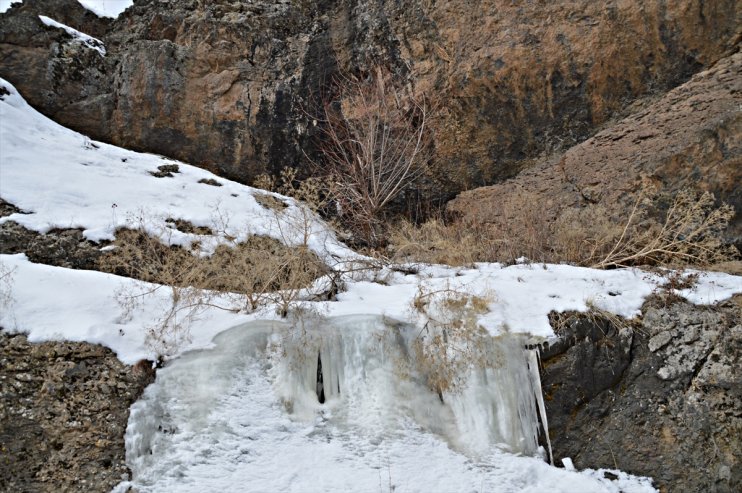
[533,365]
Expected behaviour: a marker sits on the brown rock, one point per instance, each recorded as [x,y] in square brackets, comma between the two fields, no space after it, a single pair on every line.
[226,85]
[691,137]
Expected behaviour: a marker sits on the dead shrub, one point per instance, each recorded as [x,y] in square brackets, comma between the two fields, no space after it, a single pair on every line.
[691,233]
[375,142]
[438,242]
[452,342]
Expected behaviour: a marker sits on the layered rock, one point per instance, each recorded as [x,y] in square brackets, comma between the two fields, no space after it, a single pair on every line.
[229,85]
[689,138]
[661,398]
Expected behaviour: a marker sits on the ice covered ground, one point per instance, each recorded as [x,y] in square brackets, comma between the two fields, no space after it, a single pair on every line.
[61,179]
[217,421]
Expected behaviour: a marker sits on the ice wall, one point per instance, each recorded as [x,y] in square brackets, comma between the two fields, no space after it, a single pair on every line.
[246,416]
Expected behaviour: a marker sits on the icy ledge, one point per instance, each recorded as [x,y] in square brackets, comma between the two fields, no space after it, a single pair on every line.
[246,415]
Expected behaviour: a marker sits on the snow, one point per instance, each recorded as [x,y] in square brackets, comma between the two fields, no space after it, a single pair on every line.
[62,179]
[101,8]
[225,404]
[107,8]
[89,41]
[5,4]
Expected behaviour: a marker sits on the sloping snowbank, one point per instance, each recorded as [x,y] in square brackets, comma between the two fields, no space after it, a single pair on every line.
[62,179]
[65,180]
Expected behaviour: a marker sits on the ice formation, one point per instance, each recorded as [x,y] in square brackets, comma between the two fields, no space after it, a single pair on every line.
[248,415]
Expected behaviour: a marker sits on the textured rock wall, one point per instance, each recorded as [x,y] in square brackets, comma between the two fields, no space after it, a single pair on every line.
[690,138]
[226,84]
[661,398]
[64,407]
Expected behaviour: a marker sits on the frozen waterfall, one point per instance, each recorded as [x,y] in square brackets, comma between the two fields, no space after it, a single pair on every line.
[247,416]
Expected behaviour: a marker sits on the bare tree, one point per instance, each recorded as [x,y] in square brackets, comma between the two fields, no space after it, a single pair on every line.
[375,143]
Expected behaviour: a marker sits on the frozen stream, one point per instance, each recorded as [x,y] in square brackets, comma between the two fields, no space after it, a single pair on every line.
[247,416]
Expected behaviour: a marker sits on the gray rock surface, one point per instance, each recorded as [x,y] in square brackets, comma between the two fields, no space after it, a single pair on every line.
[661,397]
[64,407]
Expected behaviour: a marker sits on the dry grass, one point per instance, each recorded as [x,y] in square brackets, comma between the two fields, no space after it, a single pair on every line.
[437,242]
[239,276]
[452,342]
[689,232]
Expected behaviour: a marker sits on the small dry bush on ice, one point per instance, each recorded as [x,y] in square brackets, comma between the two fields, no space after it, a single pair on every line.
[451,342]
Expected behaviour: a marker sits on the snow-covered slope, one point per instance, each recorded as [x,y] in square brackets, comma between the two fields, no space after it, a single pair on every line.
[247,435]
[62,179]
[68,181]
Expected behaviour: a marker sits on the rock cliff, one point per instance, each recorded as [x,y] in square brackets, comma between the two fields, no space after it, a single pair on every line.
[689,138]
[660,397]
[228,84]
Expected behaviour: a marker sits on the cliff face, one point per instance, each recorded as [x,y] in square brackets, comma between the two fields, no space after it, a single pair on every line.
[690,138]
[659,397]
[227,84]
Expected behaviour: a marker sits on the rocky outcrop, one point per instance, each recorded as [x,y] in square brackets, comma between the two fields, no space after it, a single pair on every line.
[690,138]
[231,85]
[64,407]
[661,398]
[63,248]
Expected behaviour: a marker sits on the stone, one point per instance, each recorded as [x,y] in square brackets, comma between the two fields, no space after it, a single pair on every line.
[672,413]
[232,86]
[697,144]
[53,435]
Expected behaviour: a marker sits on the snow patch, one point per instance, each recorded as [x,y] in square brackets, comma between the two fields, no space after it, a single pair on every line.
[89,41]
[67,180]
[5,4]
[106,8]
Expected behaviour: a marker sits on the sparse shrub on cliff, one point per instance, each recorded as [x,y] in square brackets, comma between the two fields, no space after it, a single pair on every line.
[691,233]
[374,143]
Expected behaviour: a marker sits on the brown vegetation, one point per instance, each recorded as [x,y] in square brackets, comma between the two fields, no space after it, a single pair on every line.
[685,230]
[374,143]
[237,276]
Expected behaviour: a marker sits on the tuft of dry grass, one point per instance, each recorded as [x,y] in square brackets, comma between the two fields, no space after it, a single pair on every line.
[687,232]
[436,242]
[452,342]
[239,276]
